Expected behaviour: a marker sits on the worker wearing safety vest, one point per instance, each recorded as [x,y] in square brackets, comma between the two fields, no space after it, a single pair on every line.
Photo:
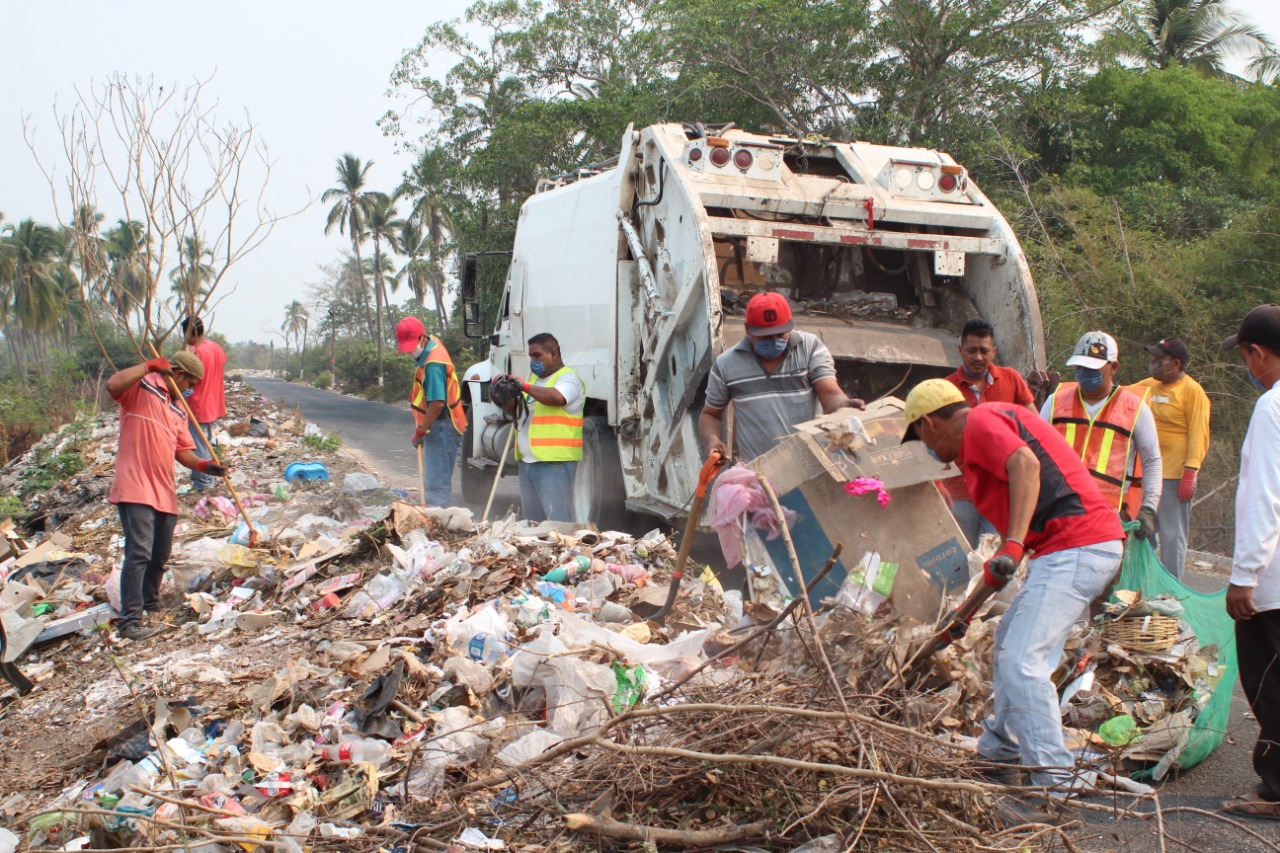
[435,391]
[550,441]
[1112,429]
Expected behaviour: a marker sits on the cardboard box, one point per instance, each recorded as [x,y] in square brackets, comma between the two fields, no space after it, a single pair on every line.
[921,551]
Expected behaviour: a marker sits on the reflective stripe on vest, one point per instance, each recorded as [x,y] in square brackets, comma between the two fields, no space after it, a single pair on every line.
[452,388]
[554,434]
[1103,440]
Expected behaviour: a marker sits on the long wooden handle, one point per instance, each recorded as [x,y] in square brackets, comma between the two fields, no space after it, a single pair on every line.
[226,475]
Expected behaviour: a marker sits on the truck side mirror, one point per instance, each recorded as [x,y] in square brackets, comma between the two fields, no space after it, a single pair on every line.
[471,319]
[469,272]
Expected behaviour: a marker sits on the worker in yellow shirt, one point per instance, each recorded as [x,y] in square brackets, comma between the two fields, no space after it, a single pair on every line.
[1181,410]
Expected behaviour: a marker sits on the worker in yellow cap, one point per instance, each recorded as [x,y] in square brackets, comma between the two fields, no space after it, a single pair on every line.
[1032,486]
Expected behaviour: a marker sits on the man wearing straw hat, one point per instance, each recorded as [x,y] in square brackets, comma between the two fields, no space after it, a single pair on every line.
[153,432]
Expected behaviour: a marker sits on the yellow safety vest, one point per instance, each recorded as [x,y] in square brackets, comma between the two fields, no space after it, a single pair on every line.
[554,434]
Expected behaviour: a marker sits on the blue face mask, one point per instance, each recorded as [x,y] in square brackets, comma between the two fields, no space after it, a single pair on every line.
[537,367]
[1257,383]
[190,392]
[934,454]
[770,348]
[1089,380]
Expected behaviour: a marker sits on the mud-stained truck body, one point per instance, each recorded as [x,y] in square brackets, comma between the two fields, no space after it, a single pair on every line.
[642,269]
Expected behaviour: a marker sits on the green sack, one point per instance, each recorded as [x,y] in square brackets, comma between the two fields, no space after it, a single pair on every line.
[1206,613]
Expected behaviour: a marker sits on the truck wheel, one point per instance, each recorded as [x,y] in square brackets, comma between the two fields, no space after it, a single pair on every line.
[599,493]
[476,482]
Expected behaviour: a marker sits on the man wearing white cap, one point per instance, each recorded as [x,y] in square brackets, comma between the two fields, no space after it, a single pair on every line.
[435,391]
[1105,424]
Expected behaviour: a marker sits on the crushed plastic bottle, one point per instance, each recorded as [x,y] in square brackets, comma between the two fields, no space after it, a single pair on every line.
[375,752]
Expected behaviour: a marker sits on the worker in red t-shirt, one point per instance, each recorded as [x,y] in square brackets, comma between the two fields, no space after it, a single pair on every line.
[153,432]
[1032,486]
[981,380]
[208,400]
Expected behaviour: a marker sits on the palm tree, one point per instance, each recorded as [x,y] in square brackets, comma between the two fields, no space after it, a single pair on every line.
[1197,34]
[422,271]
[382,224]
[127,246]
[424,180]
[296,317]
[33,298]
[192,274]
[349,211]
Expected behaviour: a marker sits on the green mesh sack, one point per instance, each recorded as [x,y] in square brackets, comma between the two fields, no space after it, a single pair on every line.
[1206,613]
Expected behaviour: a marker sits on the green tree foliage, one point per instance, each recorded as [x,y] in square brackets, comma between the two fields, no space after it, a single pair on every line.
[1197,34]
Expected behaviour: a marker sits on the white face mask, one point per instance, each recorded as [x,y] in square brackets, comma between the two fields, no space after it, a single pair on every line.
[417,352]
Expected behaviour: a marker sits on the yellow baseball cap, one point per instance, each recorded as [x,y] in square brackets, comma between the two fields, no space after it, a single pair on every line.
[925,399]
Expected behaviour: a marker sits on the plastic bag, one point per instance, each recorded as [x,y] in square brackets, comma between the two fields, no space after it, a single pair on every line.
[1206,613]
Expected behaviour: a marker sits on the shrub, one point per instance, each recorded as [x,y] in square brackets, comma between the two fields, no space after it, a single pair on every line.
[323,381]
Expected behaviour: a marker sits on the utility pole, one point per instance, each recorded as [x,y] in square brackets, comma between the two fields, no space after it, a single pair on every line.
[302,369]
[272,363]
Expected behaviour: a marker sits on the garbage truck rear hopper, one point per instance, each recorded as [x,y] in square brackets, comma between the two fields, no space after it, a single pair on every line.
[642,268]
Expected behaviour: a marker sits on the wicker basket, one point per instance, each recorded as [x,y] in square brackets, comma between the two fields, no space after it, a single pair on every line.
[1154,633]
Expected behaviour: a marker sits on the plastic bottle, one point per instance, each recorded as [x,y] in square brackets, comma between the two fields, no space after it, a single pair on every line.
[569,573]
[486,647]
[375,752]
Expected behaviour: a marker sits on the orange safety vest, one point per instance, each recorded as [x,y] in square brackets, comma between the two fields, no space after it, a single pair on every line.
[1103,441]
[453,389]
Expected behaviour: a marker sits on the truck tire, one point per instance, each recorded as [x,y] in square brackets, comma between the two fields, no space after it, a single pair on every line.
[476,482]
[599,493]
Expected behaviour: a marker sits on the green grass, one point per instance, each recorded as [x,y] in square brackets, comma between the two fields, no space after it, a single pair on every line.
[328,443]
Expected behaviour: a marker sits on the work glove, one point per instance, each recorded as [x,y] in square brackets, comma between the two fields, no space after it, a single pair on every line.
[418,436]
[998,571]
[1146,523]
[213,469]
[1187,485]
[160,365]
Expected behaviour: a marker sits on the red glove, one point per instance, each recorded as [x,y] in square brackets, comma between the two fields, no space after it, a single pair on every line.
[208,466]
[159,365]
[999,570]
[1187,485]
[418,436]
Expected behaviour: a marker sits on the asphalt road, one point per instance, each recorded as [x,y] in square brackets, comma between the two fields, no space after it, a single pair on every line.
[377,434]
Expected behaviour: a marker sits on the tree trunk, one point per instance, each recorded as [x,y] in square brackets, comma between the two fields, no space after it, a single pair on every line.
[377,284]
[364,290]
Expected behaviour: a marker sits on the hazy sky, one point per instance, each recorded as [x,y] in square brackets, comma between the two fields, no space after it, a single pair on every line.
[312,75]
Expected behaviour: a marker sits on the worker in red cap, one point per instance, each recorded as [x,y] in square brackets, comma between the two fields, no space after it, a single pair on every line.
[776,378]
[436,403]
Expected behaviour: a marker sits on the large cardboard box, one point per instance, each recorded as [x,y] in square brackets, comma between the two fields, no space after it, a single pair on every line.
[921,552]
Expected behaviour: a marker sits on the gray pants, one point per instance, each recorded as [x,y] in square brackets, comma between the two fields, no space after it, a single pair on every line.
[201,481]
[1173,524]
[148,539]
[546,490]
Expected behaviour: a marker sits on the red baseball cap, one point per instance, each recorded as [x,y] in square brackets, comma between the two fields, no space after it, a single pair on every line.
[768,313]
[408,332]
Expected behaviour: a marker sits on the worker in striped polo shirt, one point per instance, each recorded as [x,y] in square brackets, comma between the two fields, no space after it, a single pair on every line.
[776,378]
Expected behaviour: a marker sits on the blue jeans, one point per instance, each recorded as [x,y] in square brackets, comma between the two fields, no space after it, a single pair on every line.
[546,490]
[970,521]
[1026,723]
[1173,522]
[201,481]
[440,455]
[148,539]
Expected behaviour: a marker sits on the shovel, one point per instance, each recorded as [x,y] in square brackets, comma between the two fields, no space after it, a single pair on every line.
[709,471]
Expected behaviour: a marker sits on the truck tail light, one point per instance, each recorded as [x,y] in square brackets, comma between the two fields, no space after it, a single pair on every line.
[743,158]
[948,183]
[719,156]
[695,155]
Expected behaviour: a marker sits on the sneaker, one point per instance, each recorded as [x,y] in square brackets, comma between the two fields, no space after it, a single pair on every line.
[138,632]
[999,772]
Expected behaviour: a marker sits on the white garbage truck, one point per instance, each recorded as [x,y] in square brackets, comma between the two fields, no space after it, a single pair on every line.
[641,267]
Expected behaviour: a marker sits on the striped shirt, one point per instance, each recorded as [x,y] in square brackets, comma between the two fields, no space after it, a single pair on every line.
[768,406]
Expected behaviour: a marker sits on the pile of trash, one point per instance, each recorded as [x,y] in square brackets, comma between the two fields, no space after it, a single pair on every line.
[348,670]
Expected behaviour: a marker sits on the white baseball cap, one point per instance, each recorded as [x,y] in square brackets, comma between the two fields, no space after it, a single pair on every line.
[1094,350]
